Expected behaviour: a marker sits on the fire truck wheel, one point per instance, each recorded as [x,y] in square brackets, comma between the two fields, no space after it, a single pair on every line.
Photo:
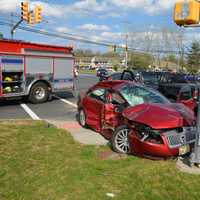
[39,93]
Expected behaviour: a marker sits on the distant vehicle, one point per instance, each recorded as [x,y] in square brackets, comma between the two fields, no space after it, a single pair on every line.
[150,79]
[101,73]
[137,120]
[179,88]
[136,76]
[168,77]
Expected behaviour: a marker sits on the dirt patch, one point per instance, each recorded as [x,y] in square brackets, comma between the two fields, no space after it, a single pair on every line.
[17,122]
[108,154]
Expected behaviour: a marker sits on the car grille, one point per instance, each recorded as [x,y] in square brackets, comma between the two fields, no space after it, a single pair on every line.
[177,139]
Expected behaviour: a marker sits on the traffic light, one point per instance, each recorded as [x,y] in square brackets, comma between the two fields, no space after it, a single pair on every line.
[187,12]
[38,14]
[30,18]
[24,11]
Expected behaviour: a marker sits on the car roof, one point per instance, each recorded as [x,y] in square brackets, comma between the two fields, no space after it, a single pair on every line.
[113,84]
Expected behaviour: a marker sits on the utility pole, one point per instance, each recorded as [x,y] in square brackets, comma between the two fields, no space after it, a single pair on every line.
[126,43]
[126,52]
[195,156]
[14,28]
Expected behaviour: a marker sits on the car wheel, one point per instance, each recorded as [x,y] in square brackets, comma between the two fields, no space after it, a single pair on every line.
[39,93]
[119,140]
[82,118]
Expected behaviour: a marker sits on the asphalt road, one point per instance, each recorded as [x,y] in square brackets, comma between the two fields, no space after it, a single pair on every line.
[59,109]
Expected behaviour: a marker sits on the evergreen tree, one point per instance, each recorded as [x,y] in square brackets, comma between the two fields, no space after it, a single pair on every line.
[193,59]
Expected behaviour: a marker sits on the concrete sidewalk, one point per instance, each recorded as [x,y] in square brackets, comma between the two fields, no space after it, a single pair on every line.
[81,135]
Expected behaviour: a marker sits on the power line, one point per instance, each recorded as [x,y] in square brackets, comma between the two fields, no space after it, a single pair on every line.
[85,40]
[54,34]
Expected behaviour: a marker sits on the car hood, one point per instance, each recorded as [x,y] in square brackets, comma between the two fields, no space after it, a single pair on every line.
[160,116]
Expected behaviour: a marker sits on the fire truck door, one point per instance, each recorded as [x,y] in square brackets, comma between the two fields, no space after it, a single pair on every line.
[63,73]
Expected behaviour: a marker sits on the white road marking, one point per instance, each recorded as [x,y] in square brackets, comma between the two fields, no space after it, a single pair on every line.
[30,112]
[66,101]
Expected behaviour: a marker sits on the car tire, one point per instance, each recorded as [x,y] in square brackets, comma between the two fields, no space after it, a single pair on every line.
[119,140]
[82,118]
[39,93]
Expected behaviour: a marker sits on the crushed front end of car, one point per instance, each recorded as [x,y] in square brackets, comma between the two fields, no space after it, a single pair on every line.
[160,131]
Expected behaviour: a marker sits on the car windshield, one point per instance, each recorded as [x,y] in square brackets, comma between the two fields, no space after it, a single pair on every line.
[136,95]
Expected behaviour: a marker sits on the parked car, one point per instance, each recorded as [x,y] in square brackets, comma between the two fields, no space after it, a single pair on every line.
[150,79]
[137,120]
[179,88]
[178,78]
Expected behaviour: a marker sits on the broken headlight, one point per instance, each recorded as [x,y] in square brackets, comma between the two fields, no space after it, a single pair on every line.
[146,133]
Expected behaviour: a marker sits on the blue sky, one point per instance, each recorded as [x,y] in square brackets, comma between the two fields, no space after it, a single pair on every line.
[93,19]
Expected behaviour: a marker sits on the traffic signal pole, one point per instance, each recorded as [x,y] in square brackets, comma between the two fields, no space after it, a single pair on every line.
[31,17]
[14,28]
[187,14]
[195,156]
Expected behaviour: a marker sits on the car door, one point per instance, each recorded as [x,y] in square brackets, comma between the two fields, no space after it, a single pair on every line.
[127,75]
[112,115]
[185,97]
[94,104]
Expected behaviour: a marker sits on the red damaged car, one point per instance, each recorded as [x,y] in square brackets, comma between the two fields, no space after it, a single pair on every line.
[137,120]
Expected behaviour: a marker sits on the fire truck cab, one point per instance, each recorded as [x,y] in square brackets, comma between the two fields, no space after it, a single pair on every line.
[34,70]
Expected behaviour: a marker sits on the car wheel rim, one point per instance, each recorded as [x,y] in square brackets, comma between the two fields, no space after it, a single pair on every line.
[82,118]
[121,141]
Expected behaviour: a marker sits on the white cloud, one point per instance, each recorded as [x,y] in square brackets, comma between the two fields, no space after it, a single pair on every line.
[79,8]
[129,3]
[107,8]
[90,5]
[159,6]
[94,27]
[52,10]
[9,5]
[113,36]
[149,6]
[62,29]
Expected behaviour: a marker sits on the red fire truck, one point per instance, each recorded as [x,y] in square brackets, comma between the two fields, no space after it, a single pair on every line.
[34,70]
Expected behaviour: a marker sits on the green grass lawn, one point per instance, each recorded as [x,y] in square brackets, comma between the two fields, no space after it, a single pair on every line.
[38,162]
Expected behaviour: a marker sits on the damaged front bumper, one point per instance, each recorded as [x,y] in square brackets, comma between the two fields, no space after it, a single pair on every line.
[175,142]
